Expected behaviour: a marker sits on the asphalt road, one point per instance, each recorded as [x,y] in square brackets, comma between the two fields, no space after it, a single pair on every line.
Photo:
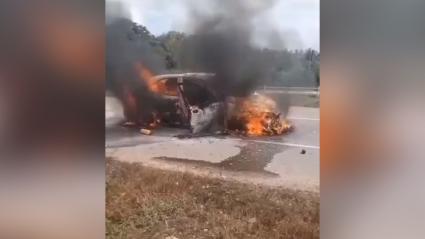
[290,160]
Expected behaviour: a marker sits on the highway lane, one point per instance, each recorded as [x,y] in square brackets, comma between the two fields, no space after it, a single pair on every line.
[291,160]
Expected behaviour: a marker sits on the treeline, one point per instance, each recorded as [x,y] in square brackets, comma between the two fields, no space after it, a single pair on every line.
[284,67]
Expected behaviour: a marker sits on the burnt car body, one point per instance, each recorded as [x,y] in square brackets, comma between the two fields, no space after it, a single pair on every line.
[195,103]
[190,100]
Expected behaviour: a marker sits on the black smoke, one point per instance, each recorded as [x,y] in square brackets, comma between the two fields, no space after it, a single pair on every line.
[223,43]
[128,45]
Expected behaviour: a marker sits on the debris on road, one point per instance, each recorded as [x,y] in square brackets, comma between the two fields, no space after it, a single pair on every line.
[146,131]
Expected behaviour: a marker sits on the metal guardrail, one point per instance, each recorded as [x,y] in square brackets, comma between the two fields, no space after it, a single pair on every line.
[291,90]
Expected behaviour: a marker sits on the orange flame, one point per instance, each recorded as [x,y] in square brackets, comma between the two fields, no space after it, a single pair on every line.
[261,119]
[148,77]
[255,125]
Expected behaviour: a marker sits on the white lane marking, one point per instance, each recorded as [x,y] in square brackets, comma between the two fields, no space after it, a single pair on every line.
[286,144]
[291,92]
[303,118]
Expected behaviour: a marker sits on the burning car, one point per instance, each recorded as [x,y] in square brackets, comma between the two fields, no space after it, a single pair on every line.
[189,100]
[196,105]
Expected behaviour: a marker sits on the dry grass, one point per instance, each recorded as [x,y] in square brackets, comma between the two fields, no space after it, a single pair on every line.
[149,203]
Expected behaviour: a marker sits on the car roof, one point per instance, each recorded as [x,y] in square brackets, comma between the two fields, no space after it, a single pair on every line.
[198,75]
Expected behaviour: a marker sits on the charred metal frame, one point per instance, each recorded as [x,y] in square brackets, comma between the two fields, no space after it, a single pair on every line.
[200,79]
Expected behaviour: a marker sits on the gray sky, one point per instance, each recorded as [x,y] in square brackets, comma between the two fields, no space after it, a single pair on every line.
[297,21]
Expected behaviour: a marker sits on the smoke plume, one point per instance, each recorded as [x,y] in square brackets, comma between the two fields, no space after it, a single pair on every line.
[223,43]
[128,46]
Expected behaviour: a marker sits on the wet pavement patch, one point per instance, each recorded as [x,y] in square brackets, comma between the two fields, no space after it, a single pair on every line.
[253,157]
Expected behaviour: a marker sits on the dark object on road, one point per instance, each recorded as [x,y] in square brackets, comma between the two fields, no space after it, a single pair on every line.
[303,151]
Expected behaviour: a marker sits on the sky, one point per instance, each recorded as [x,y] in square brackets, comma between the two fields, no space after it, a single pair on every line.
[297,21]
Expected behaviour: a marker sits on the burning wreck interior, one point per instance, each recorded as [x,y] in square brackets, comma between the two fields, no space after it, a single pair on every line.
[189,100]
